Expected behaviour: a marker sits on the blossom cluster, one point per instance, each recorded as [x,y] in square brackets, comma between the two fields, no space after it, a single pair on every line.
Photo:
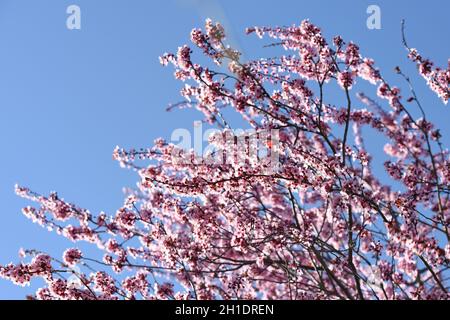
[438,79]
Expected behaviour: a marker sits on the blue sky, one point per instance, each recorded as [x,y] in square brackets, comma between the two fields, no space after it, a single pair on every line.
[68,97]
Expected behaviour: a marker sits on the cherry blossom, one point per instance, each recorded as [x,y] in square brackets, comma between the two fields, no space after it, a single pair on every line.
[320,222]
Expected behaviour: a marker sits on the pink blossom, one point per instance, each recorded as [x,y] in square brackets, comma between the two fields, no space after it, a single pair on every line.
[72,256]
[345,80]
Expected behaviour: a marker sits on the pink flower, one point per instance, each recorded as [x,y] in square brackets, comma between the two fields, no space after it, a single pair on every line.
[41,264]
[345,80]
[437,79]
[72,256]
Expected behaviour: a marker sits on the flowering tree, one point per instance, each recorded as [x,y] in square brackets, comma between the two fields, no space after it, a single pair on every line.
[313,223]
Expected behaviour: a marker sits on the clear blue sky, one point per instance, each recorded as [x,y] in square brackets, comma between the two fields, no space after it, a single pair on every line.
[67,98]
